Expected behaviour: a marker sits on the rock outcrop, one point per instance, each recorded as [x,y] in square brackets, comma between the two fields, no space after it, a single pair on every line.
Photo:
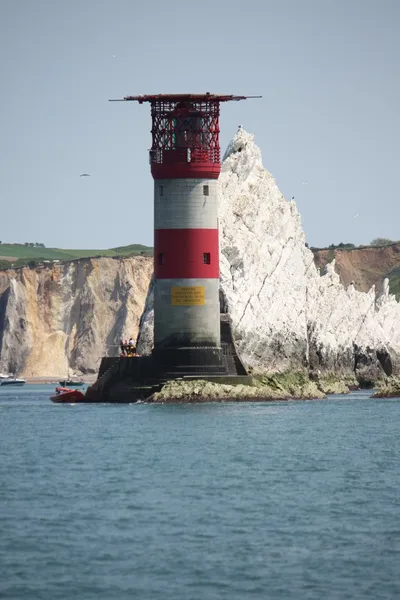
[285,315]
[206,391]
[388,388]
[69,315]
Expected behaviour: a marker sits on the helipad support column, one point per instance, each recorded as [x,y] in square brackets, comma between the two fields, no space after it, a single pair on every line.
[185,164]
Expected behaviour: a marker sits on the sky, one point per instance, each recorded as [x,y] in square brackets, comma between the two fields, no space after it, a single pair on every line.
[327,70]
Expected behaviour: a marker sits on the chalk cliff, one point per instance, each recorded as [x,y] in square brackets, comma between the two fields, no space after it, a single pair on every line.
[364,266]
[69,314]
[285,315]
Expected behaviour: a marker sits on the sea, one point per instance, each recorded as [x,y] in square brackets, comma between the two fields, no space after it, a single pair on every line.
[220,501]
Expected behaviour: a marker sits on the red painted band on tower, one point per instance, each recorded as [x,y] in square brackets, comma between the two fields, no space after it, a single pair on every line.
[186,254]
[185,170]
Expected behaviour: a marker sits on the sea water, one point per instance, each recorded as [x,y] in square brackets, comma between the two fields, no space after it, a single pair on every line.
[235,501]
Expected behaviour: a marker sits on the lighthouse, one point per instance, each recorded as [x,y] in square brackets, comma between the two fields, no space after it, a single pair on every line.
[185,164]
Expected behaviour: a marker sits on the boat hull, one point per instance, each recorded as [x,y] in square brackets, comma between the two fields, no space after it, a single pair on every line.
[12,382]
[67,396]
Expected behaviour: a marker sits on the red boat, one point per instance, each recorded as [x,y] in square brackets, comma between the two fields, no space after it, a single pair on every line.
[67,395]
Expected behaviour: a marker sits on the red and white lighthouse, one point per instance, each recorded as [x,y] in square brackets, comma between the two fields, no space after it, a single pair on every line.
[185,164]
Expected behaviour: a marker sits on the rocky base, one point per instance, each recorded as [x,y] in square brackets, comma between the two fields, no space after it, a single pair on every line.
[389,388]
[300,384]
[136,379]
[329,383]
[281,387]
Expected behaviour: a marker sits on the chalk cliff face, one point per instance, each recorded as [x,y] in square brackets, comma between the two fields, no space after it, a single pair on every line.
[284,314]
[263,262]
[363,266]
[69,314]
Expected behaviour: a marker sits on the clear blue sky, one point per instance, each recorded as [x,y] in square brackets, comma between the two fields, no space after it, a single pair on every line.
[328,71]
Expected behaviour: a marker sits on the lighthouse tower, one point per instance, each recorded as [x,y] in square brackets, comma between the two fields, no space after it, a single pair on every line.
[185,165]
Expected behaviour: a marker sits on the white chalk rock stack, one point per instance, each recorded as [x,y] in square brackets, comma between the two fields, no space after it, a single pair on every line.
[263,262]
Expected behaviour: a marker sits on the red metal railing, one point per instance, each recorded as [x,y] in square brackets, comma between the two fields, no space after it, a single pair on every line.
[185,132]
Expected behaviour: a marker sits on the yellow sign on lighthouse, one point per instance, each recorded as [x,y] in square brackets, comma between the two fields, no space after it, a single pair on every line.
[188,296]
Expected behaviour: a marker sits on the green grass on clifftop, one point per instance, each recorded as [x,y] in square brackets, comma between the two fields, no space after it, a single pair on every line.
[20,254]
[394,282]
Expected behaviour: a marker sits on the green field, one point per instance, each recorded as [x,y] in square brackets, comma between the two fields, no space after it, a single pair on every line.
[394,282]
[20,254]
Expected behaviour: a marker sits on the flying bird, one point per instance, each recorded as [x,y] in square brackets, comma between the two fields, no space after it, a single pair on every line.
[85,175]
[303,182]
[355,216]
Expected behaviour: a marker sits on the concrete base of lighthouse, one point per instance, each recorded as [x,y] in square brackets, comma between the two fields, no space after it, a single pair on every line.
[129,379]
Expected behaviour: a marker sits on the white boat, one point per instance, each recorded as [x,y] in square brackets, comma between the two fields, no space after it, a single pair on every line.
[10,380]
